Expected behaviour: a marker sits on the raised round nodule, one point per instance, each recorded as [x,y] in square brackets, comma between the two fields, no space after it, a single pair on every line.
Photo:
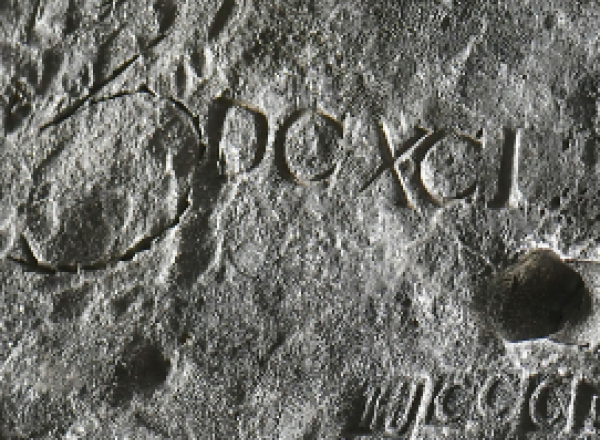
[535,297]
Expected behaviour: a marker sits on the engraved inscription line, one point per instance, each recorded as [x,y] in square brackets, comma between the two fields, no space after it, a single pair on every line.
[393,407]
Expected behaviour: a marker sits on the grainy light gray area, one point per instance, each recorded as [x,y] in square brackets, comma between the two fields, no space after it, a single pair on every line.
[243,219]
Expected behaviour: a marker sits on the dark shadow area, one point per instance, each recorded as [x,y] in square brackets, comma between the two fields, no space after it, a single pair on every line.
[221,19]
[353,413]
[591,152]
[19,107]
[85,232]
[586,405]
[73,17]
[506,170]
[166,11]
[122,303]
[69,304]
[31,22]
[534,297]
[142,369]
[52,60]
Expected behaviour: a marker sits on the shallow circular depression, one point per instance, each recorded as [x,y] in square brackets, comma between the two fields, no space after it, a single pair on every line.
[535,297]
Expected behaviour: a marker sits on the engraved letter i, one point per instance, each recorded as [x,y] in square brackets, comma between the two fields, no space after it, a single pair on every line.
[508,194]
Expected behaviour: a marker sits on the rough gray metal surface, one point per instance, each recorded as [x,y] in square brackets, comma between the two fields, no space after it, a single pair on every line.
[299,220]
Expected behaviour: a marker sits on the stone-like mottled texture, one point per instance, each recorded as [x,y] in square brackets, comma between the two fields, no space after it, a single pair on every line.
[241,219]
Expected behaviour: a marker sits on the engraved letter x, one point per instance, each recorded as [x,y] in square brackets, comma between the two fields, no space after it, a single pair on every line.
[411,153]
